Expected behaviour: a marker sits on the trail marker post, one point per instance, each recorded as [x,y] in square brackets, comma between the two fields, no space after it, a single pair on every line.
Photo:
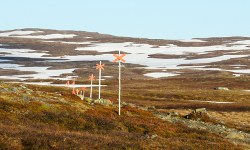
[67,83]
[77,92]
[83,91]
[119,58]
[73,90]
[100,67]
[91,78]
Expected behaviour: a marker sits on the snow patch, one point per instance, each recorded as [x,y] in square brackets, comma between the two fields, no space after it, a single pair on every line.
[60,85]
[191,40]
[130,47]
[107,76]
[23,53]
[9,34]
[243,42]
[237,75]
[245,71]
[77,43]
[49,36]
[41,72]
[160,74]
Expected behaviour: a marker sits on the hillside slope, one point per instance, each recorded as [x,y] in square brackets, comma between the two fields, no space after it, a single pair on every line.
[42,117]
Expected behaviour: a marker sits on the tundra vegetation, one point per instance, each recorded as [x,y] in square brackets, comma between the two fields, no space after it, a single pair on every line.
[155,114]
[45,117]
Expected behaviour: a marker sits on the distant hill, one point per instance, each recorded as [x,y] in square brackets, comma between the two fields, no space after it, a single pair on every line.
[44,48]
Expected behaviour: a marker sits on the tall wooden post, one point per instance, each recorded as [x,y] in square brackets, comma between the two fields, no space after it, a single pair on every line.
[100,67]
[91,88]
[83,92]
[91,78]
[119,84]
[73,90]
[77,92]
[120,59]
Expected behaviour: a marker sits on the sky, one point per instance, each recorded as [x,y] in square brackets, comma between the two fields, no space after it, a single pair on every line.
[158,19]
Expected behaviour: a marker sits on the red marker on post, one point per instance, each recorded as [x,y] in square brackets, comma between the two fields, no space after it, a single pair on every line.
[73,91]
[119,58]
[74,82]
[100,67]
[83,88]
[83,91]
[77,91]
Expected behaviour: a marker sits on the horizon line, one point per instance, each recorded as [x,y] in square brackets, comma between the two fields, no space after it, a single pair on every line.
[123,36]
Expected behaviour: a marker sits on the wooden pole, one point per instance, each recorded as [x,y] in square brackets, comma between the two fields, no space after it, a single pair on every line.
[100,75]
[83,92]
[119,84]
[120,59]
[91,81]
[91,78]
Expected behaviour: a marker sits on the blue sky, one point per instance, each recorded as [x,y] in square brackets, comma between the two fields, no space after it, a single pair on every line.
[167,19]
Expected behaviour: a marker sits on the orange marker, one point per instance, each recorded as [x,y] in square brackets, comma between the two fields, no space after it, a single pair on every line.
[73,91]
[73,82]
[77,91]
[83,88]
[119,57]
[100,66]
[91,77]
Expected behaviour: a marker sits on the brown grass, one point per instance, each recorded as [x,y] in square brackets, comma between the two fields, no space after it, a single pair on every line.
[53,121]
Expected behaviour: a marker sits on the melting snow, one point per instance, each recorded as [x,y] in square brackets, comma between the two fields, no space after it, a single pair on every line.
[49,36]
[244,42]
[160,74]
[23,53]
[130,47]
[9,34]
[9,66]
[62,85]
[80,43]
[137,54]
[107,76]
[192,40]
[84,43]
[240,71]
[26,34]
[41,72]
[237,75]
